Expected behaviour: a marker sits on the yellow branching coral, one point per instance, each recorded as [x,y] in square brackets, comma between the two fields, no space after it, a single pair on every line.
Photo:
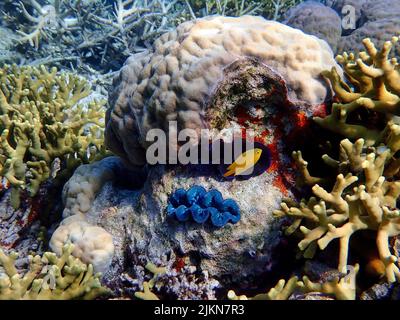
[282,291]
[148,285]
[362,197]
[41,119]
[375,85]
[342,288]
[367,186]
[49,278]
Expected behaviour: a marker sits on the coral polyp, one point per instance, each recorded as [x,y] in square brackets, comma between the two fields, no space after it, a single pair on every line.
[201,205]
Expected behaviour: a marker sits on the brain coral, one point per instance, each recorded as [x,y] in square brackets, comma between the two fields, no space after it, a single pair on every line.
[179,77]
[92,244]
[316,19]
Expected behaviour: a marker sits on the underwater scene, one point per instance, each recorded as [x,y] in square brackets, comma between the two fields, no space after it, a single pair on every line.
[199,150]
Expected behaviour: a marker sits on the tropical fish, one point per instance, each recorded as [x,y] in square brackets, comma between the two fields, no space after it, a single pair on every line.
[244,162]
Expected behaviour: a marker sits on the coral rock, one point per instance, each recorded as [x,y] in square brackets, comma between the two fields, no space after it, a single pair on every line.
[316,19]
[139,217]
[180,78]
[92,244]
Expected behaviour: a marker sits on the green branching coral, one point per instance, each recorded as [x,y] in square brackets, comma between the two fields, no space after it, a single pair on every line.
[367,186]
[42,119]
[49,278]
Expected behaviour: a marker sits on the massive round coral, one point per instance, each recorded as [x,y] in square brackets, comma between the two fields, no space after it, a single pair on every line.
[316,19]
[180,76]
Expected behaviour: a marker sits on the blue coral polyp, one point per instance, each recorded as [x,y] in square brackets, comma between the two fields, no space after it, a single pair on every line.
[202,206]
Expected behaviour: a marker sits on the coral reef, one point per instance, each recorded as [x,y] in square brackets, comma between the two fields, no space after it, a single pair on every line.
[281,291]
[271,10]
[90,35]
[374,77]
[82,188]
[316,19]
[188,284]
[360,19]
[100,35]
[202,205]
[7,55]
[44,118]
[180,281]
[125,217]
[92,244]
[49,278]
[235,8]
[275,9]
[148,285]
[341,288]
[376,22]
[176,80]
[139,217]
[369,165]
[340,213]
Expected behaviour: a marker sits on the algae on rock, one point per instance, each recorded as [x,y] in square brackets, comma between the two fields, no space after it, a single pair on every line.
[42,118]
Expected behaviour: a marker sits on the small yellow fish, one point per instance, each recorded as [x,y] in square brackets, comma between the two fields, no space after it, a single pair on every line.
[244,162]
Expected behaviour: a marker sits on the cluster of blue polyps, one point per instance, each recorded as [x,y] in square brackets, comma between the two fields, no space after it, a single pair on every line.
[202,205]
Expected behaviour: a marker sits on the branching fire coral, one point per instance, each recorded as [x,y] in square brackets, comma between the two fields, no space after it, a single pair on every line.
[49,278]
[375,86]
[342,288]
[364,194]
[370,204]
[147,294]
[282,291]
[42,119]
